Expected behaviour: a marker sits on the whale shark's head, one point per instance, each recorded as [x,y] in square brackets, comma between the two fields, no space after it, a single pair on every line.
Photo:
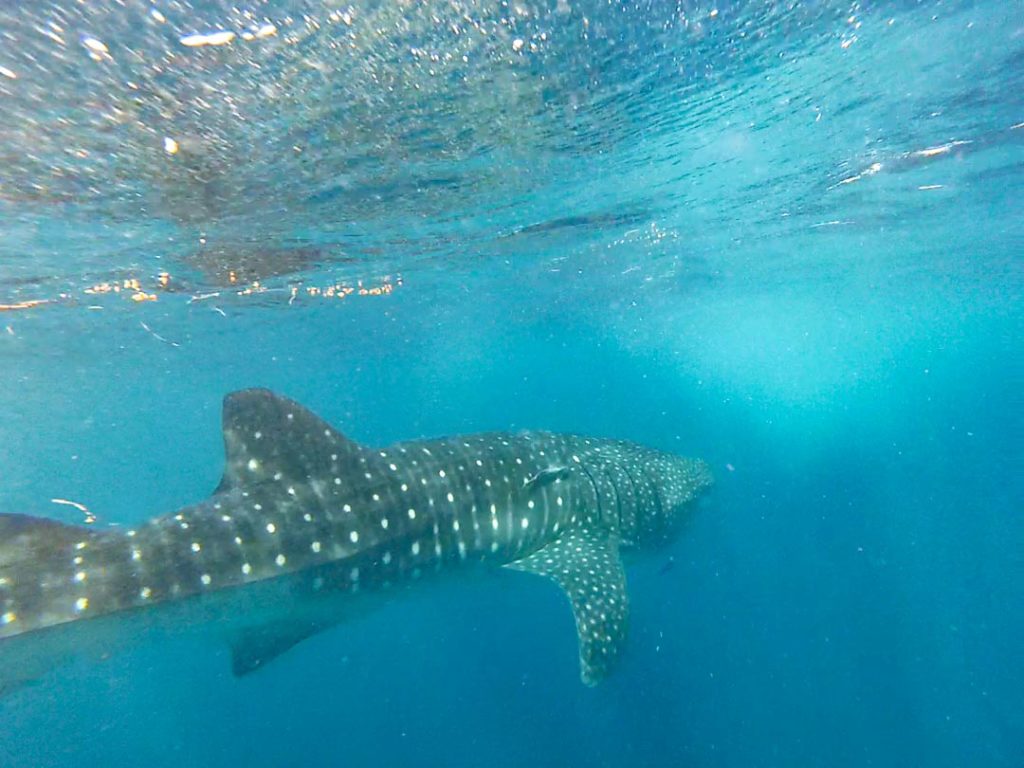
[645,495]
[678,486]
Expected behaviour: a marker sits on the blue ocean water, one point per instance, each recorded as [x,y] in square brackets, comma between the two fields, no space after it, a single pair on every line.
[783,237]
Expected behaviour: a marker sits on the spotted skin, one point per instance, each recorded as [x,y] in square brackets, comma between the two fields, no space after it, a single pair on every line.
[316,518]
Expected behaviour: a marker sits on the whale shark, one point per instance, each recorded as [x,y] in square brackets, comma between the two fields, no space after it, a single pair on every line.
[308,528]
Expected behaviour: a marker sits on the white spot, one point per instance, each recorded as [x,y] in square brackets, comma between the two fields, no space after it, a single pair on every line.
[315,546]
[81,576]
[205,578]
[415,547]
[131,533]
[227,518]
[558,501]
[494,509]
[337,481]
[81,604]
[238,540]
[145,593]
[271,528]
[412,514]
[81,545]
[246,569]
[525,523]
[353,536]
[405,488]
[195,546]
[291,491]
[494,523]
[440,473]
[346,508]
[451,497]
[307,517]
[368,476]
[376,497]
[393,467]
[253,465]
[479,463]
[384,523]
[8,618]
[530,503]
[455,525]
[280,560]
[386,558]
[257,435]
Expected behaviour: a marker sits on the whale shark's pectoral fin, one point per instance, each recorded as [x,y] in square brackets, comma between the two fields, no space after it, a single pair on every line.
[257,646]
[267,437]
[586,565]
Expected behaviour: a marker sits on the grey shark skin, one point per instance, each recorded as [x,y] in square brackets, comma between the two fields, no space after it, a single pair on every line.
[306,525]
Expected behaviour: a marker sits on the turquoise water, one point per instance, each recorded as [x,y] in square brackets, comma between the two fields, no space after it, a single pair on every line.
[784,239]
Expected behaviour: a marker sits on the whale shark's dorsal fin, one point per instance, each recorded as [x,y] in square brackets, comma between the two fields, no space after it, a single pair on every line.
[271,438]
[587,566]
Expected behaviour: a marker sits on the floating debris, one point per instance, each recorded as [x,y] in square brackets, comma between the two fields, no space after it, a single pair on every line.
[90,518]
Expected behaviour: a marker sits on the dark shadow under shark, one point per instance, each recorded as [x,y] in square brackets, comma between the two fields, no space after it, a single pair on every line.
[307,527]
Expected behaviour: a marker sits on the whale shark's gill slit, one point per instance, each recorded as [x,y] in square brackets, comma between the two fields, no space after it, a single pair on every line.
[626,527]
[659,510]
[596,489]
[613,488]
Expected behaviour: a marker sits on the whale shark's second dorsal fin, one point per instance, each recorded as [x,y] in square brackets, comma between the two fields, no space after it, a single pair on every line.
[271,438]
